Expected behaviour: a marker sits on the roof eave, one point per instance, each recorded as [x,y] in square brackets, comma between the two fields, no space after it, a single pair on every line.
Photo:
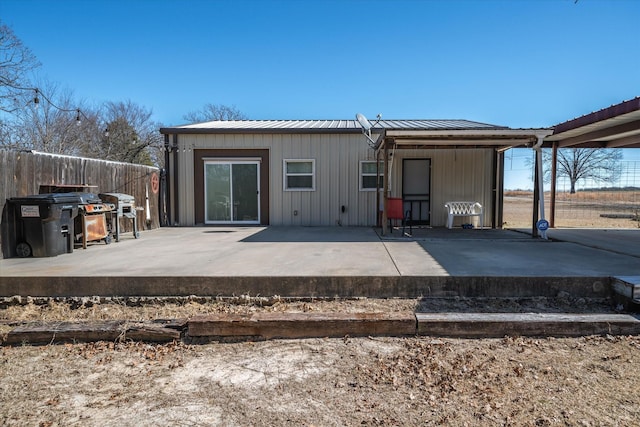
[218,131]
[599,116]
[467,138]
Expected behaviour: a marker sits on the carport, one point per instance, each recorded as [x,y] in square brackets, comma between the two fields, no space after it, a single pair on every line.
[617,126]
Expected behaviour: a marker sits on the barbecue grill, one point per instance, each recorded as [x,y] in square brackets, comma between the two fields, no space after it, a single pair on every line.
[125,207]
[91,223]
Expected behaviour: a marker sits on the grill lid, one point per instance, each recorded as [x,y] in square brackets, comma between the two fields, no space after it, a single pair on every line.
[88,198]
[118,198]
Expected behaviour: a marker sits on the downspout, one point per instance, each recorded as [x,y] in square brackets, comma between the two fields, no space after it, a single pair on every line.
[385,189]
[542,225]
[536,200]
[166,175]
[176,181]
[378,211]
[498,188]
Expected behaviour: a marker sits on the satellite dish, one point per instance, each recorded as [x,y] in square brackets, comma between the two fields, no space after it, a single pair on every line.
[366,128]
[363,121]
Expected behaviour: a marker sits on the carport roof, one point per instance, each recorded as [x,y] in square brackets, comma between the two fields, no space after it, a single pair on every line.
[617,126]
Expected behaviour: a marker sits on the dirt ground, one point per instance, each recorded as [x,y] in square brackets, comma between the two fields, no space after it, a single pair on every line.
[588,381]
[316,382]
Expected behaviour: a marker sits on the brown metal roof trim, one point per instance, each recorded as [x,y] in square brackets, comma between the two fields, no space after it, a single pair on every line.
[598,116]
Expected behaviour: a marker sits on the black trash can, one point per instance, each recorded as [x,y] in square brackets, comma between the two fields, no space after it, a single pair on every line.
[44,224]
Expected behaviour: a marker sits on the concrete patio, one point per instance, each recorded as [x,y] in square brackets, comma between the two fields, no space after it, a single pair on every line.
[330,261]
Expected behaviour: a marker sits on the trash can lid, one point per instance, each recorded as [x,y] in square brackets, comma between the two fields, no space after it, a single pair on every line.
[49,198]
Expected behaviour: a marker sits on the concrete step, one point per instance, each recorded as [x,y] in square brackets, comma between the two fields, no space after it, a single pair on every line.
[627,289]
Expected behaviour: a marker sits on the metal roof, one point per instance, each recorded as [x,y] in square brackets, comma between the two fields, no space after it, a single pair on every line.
[617,126]
[328,126]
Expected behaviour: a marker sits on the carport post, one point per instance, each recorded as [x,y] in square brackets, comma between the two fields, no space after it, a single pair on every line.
[385,187]
[552,201]
[538,225]
[536,200]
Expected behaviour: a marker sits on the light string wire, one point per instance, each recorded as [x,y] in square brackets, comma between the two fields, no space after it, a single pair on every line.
[36,100]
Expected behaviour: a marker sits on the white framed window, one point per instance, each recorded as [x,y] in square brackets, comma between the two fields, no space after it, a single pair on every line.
[299,175]
[369,175]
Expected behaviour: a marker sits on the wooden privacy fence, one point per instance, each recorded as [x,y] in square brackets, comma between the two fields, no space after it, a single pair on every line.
[23,172]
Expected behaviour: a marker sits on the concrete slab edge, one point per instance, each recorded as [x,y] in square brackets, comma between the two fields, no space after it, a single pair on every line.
[307,286]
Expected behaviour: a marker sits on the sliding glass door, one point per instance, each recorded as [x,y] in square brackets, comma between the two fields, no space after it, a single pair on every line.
[232,192]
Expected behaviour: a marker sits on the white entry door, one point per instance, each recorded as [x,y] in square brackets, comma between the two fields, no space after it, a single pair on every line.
[232,193]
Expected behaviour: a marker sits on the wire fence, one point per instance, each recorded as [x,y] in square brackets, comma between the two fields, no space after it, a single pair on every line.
[629,178]
[616,205]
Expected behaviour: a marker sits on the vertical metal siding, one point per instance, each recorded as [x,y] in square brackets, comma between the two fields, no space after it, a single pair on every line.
[463,174]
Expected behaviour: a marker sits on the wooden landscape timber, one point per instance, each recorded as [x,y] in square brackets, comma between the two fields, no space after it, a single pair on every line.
[271,325]
[303,325]
[496,325]
[109,330]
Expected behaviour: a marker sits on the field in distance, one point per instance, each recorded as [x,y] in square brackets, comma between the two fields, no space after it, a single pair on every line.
[589,208]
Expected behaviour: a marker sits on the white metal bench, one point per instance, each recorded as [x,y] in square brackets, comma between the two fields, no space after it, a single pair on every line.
[463,209]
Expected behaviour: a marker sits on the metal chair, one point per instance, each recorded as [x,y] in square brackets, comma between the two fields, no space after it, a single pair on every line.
[395,211]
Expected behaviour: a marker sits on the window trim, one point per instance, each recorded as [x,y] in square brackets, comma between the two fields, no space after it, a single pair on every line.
[361,174]
[285,175]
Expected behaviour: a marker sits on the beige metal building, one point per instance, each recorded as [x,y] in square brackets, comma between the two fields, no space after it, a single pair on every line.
[326,172]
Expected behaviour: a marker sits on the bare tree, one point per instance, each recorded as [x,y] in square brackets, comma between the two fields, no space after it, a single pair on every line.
[211,112]
[54,125]
[16,62]
[132,136]
[575,164]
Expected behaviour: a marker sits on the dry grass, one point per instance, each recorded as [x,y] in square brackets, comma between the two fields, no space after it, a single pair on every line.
[582,209]
[143,309]
[589,381]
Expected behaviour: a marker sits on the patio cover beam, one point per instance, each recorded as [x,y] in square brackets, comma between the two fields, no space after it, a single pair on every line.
[602,138]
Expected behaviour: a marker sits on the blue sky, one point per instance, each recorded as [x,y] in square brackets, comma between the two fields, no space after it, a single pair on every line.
[515,63]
